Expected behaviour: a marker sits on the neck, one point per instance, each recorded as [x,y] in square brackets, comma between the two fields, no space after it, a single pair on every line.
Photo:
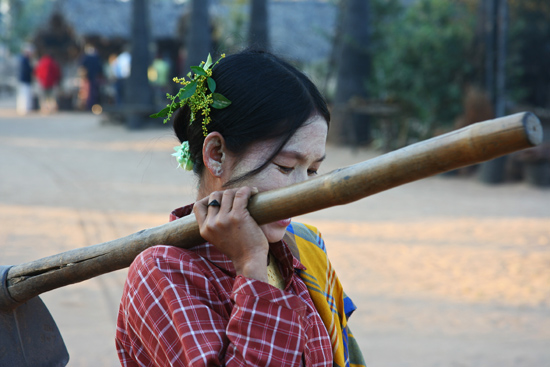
[208,184]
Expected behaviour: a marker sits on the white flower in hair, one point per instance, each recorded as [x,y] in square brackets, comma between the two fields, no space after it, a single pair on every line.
[183,156]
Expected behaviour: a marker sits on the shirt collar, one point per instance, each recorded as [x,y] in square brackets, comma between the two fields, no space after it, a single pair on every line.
[280,251]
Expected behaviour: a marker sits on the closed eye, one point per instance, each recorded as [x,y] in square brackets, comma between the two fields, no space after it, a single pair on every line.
[312,172]
[284,169]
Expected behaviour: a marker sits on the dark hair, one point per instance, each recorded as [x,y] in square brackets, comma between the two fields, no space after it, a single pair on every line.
[270,99]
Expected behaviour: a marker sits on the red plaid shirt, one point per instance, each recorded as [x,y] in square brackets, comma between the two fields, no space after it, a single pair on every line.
[188,308]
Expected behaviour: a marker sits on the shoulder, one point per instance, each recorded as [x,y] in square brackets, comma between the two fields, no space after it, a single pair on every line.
[168,262]
[170,255]
[305,234]
[161,252]
[183,271]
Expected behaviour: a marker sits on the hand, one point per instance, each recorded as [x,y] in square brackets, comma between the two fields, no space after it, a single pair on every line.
[233,231]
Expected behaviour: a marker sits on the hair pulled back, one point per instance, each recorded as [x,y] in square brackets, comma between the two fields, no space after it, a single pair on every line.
[270,99]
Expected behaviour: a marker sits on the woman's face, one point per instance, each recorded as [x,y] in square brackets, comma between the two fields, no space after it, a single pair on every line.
[299,160]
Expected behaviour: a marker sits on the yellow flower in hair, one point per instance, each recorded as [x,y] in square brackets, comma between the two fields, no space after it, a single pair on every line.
[199,94]
[195,94]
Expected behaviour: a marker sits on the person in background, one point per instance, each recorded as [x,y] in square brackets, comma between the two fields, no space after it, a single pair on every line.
[24,89]
[121,70]
[110,79]
[93,71]
[48,74]
[158,74]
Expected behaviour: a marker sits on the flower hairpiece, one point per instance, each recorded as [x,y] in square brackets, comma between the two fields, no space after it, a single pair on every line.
[194,94]
[183,156]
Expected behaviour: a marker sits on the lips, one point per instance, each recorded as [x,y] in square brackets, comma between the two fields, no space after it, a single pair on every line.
[283,222]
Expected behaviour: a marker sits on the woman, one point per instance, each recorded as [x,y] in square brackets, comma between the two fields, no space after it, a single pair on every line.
[251,295]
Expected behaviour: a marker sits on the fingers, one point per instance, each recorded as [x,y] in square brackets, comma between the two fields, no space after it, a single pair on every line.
[226,201]
[231,228]
[230,201]
[240,202]
[214,197]
[200,209]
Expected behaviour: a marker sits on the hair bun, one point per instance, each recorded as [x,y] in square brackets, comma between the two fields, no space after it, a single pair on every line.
[181,121]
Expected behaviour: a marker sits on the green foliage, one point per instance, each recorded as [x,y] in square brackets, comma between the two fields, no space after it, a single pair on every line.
[384,13]
[232,29]
[22,19]
[529,52]
[420,60]
[194,94]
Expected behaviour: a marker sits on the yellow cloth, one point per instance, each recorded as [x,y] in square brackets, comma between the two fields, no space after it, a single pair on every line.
[325,290]
[274,276]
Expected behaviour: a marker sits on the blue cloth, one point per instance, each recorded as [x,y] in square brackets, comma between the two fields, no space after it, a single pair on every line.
[331,302]
[25,69]
[93,65]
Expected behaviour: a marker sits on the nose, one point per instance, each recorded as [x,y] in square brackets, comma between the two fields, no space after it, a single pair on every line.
[299,176]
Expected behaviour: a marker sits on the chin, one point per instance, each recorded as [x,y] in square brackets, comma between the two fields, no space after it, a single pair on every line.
[274,232]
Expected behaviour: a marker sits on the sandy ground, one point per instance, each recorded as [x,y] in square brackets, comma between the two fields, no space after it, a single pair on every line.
[445,272]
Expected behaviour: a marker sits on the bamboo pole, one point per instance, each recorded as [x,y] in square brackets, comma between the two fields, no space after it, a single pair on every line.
[470,145]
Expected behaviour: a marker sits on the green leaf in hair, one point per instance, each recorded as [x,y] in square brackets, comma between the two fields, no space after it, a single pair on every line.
[198,92]
[188,91]
[220,102]
[211,84]
[198,70]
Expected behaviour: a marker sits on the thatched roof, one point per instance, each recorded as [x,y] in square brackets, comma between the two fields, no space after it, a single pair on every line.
[112,18]
[302,30]
[298,29]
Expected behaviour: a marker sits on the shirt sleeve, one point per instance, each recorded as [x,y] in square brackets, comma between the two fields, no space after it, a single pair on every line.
[174,313]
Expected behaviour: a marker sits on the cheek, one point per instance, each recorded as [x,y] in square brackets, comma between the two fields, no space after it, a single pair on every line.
[273,232]
[269,179]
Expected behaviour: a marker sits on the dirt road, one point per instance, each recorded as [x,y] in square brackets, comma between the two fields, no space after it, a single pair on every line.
[445,272]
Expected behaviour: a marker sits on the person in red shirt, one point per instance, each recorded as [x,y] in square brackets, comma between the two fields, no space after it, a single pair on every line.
[244,297]
[48,74]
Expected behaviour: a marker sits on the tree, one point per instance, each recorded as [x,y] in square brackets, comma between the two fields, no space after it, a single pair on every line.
[234,26]
[20,18]
[199,38]
[258,35]
[495,18]
[139,92]
[424,62]
[530,50]
[527,48]
[58,38]
[353,70]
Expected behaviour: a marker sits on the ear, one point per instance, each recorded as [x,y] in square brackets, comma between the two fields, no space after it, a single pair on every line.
[214,153]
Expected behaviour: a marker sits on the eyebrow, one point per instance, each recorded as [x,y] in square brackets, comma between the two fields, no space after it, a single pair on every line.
[299,156]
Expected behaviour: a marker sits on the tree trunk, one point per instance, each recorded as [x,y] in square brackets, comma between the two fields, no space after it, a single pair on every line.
[199,39]
[139,91]
[258,34]
[353,71]
[490,43]
[501,49]
[493,172]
